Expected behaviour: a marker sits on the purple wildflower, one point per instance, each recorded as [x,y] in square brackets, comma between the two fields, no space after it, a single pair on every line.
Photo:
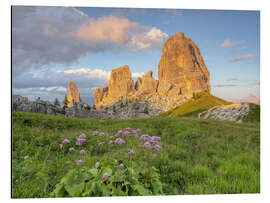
[128,129]
[154,140]
[117,134]
[82,136]
[125,133]
[80,141]
[30,172]
[120,141]
[121,166]
[82,152]
[79,162]
[135,136]
[105,176]
[134,131]
[61,146]
[138,130]
[145,137]
[120,131]
[71,149]
[95,133]
[66,141]
[101,143]
[131,152]
[111,142]
[147,145]
[111,137]
[101,134]
[26,157]
[157,147]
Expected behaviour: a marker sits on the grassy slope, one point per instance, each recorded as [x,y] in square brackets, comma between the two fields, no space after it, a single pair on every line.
[198,157]
[254,114]
[195,106]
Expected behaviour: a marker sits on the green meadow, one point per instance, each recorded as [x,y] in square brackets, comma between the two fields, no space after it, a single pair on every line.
[196,157]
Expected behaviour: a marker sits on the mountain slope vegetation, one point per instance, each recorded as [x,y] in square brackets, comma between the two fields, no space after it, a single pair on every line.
[198,103]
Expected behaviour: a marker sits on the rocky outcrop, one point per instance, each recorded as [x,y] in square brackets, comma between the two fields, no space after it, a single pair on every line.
[182,65]
[20,103]
[181,72]
[120,85]
[147,84]
[119,110]
[73,95]
[231,112]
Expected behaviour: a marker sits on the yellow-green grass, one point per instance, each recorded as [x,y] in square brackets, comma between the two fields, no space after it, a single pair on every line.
[194,106]
[198,156]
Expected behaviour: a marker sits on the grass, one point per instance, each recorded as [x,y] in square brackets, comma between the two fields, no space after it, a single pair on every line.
[254,114]
[198,156]
[201,103]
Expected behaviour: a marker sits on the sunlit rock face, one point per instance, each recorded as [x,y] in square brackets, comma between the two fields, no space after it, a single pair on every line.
[181,72]
[182,65]
[120,85]
[73,94]
[147,84]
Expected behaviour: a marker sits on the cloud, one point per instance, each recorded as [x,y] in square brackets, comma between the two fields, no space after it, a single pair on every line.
[137,75]
[49,84]
[254,83]
[232,79]
[108,29]
[224,85]
[87,72]
[44,36]
[240,58]
[122,32]
[252,98]
[228,43]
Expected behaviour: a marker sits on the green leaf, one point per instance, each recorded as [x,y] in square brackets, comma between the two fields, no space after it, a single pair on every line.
[157,187]
[116,191]
[105,190]
[97,164]
[75,190]
[93,171]
[59,191]
[141,190]
[68,177]
[107,170]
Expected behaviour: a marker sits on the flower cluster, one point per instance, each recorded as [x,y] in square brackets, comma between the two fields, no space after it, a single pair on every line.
[120,141]
[95,133]
[65,141]
[81,139]
[150,142]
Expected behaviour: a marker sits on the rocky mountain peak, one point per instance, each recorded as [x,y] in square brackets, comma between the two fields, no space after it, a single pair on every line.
[181,72]
[73,95]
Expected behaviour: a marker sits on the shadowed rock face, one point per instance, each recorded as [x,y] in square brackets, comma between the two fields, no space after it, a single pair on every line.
[73,94]
[181,72]
[182,65]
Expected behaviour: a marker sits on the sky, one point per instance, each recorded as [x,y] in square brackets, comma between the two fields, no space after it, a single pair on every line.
[54,45]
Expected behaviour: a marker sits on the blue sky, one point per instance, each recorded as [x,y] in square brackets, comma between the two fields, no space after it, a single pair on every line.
[229,42]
